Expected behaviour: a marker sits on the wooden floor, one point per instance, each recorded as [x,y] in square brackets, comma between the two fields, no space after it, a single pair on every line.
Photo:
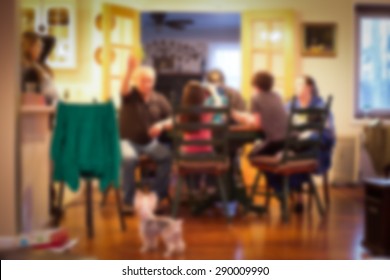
[338,236]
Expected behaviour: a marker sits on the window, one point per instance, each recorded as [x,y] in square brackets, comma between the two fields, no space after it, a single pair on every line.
[227,57]
[373,61]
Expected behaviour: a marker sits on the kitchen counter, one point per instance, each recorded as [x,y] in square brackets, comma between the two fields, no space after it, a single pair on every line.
[35,164]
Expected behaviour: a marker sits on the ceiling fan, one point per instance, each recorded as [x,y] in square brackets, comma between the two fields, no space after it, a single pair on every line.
[160,20]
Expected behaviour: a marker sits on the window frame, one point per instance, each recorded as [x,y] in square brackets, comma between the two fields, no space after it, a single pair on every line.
[364,10]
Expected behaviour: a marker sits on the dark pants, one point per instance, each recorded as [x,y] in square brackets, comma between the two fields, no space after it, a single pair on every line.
[267,149]
[158,152]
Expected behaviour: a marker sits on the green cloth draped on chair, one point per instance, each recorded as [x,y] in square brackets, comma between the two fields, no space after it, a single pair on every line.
[86,145]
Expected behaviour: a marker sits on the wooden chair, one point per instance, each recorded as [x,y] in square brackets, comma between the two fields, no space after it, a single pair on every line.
[89,206]
[326,188]
[214,164]
[68,115]
[299,156]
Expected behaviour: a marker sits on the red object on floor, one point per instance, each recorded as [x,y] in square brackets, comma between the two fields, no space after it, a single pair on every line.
[57,239]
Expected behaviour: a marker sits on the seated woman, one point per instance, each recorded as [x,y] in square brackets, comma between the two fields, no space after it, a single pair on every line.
[308,97]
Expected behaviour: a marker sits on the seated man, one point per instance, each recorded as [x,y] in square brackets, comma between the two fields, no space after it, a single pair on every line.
[216,78]
[143,117]
[221,95]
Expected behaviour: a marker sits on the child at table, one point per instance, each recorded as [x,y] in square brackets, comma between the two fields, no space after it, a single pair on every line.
[267,113]
[195,95]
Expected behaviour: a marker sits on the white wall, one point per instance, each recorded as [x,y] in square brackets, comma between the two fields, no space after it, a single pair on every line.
[9,81]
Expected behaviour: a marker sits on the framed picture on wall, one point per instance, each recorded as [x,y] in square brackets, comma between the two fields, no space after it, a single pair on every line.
[319,39]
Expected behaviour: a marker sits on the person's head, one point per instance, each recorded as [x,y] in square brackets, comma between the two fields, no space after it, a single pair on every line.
[144,79]
[31,46]
[262,81]
[215,77]
[194,95]
[306,88]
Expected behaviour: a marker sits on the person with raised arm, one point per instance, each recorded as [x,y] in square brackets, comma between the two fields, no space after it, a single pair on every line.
[144,115]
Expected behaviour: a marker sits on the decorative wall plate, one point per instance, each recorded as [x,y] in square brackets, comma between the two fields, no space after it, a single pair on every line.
[99,56]
[99,22]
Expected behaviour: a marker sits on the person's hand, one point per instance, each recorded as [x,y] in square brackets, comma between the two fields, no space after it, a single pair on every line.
[156,130]
[233,115]
[132,63]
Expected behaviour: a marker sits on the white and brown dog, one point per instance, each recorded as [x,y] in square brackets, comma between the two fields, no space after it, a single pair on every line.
[152,227]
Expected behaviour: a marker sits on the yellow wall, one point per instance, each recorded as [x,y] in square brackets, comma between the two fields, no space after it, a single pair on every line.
[82,74]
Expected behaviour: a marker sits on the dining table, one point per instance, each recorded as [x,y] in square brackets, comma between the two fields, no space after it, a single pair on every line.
[238,136]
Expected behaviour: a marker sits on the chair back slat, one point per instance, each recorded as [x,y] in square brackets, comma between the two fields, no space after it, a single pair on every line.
[307,126]
[310,110]
[302,156]
[301,144]
[200,142]
[200,109]
[219,131]
[194,126]
[201,157]
[298,147]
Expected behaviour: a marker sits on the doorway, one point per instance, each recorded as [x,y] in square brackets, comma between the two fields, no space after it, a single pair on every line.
[185,46]
[241,43]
